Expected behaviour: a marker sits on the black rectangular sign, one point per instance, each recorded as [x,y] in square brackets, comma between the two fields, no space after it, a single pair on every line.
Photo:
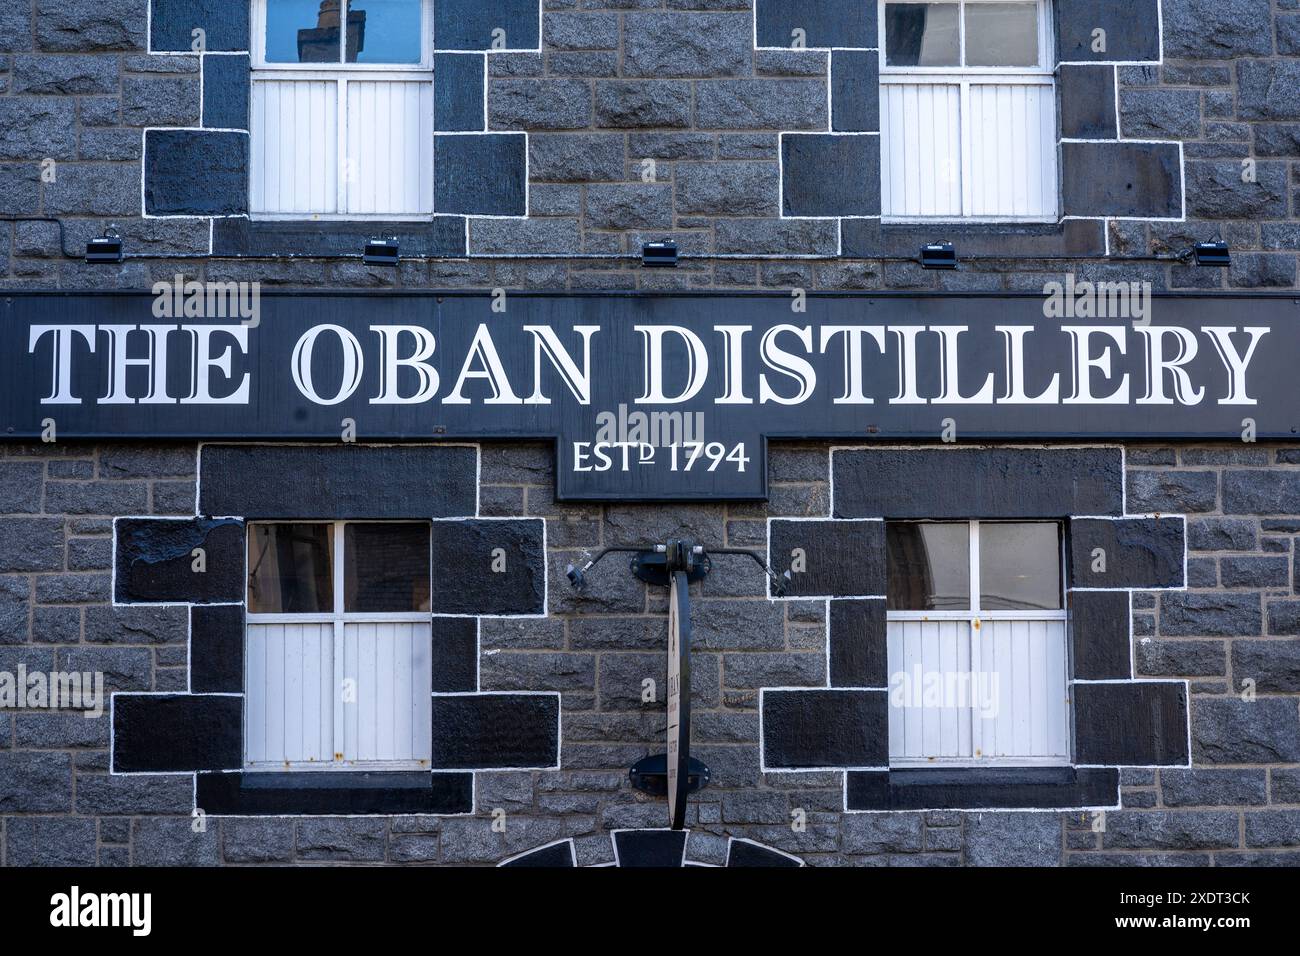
[654,397]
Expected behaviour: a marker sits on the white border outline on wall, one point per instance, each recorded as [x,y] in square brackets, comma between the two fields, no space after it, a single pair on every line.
[1059,220]
[190,605]
[1132,679]
[434,51]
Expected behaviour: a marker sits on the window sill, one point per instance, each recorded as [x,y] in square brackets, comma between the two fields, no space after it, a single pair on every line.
[1054,239]
[275,217]
[338,793]
[904,221]
[436,237]
[1009,788]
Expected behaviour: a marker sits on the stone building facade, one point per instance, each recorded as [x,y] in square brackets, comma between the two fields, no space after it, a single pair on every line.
[565,135]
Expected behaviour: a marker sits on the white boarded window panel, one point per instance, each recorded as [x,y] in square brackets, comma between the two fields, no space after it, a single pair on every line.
[1013,150]
[1031,721]
[295,151]
[390,147]
[917,649]
[390,664]
[996,161]
[290,700]
[921,161]
[1032,718]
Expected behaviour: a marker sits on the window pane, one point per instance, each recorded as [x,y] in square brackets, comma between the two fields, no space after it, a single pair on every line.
[921,34]
[929,566]
[386,568]
[384,31]
[1020,566]
[1001,34]
[302,31]
[290,569]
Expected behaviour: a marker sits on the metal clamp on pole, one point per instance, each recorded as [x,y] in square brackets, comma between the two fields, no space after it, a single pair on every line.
[651,565]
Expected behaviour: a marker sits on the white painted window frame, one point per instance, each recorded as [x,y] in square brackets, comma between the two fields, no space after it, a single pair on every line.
[341,73]
[1043,74]
[338,617]
[975,616]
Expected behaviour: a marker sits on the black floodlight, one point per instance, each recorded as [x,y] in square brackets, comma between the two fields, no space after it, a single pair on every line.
[381,252]
[106,249]
[1212,254]
[939,255]
[659,255]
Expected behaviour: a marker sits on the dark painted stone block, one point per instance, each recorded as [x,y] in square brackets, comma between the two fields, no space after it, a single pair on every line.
[744,853]
[653,848]
[869,238]
[826,23]
[555,855]
[1132,29]
[195,173]
[1099,629]
[469,24]
[1087,97]
[172,22]
[1122,179]
[338,481]
[480,175]
[465,554]
[825,728]
[155,561]
[225,92]
[496,730]
[443,237]
[334,794]
[455,655]
[217,649]
[159,733]
[982,789]
[841,558]
[808,190]
[1138,552]
[855,91]
[458,92]
[1143,723]
[857,640]
[977,482]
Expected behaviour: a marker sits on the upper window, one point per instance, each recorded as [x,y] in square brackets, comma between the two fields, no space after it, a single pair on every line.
[337,667]
[342,109]
[968,111]
[976,644]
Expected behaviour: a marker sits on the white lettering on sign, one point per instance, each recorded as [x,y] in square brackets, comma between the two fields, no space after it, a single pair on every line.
[116,364]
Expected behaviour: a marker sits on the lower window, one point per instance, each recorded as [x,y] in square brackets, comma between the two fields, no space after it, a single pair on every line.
[338,671]
[978,665]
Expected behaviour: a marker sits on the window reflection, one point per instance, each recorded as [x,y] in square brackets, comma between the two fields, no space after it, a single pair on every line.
[928,566]
[290,569]
[1020,566]
[921,34]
